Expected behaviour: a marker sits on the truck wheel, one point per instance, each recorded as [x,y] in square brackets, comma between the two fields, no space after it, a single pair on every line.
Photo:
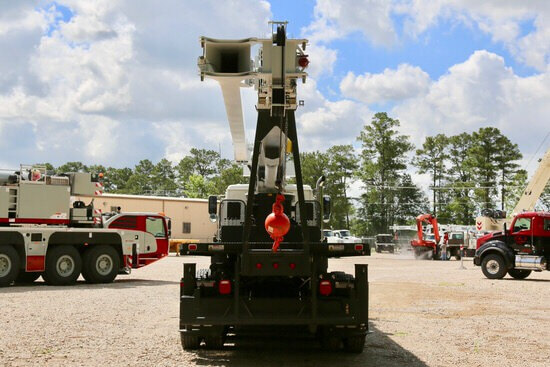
[518,273]
[354,344]
[26,277]
[331,343]
[189,342]
[9,265]
[457,255]
[214,342]
[63,265]
[101,264]
[493,266]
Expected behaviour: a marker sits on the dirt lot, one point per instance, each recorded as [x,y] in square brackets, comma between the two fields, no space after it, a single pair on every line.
[423,313]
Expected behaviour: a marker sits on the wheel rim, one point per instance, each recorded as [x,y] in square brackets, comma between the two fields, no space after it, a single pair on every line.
[65,265]
[5,265]
[493,267]
[104,264]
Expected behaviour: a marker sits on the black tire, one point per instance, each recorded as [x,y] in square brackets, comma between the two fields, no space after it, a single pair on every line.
[331,343]
[101,264]
[190,342]
[214,342]
[519,273]
[63,265]
[354,344]
[26,277]
[457,256]
[9,265]
[494,266]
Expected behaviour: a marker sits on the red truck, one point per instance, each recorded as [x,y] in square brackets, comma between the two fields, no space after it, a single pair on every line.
[46,231]
[518,251]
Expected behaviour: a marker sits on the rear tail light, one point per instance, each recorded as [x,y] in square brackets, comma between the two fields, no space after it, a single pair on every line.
[303,61]
[359,247]
[275,265]
[192,247]
[224,286]
[325,288]
[292,266]
[258,266]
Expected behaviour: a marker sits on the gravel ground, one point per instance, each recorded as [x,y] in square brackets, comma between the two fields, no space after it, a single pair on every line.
[423,313]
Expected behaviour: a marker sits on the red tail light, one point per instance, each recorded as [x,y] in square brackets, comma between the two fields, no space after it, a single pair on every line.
[224,286]
[292,266]
[359,247]
[325,288]
[303,61]
[192,247]
[258,265]
[275,265]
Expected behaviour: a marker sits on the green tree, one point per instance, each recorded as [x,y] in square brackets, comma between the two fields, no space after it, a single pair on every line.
[460,179]
[492,157]
[383,160]
[198,187]
[141,181]
[505,161]
[482,159]
[229,174]
[164,178]
[116,179]
[431,159]
[72,167]
[342,166]
[517,185]
[410,201]
[314,165]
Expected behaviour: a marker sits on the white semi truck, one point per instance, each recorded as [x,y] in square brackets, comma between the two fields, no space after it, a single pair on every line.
[45,231]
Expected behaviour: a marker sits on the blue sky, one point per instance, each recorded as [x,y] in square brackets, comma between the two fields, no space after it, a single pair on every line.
[448,43]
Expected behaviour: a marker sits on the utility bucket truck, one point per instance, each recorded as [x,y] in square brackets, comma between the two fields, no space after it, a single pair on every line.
[45,230]
[268,270]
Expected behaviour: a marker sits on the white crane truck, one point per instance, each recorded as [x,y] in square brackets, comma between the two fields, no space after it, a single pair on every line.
[45,231]
[254,284]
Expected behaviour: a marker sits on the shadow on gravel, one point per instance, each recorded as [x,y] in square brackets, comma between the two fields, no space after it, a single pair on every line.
[525,280]
[380,350]
[117,284]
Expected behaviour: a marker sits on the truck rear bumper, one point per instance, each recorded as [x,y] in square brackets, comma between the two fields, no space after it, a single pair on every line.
[272,311]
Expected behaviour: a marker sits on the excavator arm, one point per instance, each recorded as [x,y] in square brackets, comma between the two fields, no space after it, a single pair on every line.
[421,242]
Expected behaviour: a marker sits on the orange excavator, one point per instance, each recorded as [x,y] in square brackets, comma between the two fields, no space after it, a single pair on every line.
[423,248]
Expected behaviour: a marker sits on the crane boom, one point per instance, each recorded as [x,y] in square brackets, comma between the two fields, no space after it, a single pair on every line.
[535,187]
[274,73]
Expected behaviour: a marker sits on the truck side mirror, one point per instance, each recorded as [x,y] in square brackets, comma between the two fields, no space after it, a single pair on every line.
[326,208]
[212,205]
[213,208]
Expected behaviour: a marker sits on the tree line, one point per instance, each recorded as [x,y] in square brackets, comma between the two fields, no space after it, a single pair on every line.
[469,172]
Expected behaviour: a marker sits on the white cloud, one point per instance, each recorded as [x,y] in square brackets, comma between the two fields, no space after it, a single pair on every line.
[502,20]
[323,123]
[391,85]
[322,60]
[110,84]
[482,91]
[336,18]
